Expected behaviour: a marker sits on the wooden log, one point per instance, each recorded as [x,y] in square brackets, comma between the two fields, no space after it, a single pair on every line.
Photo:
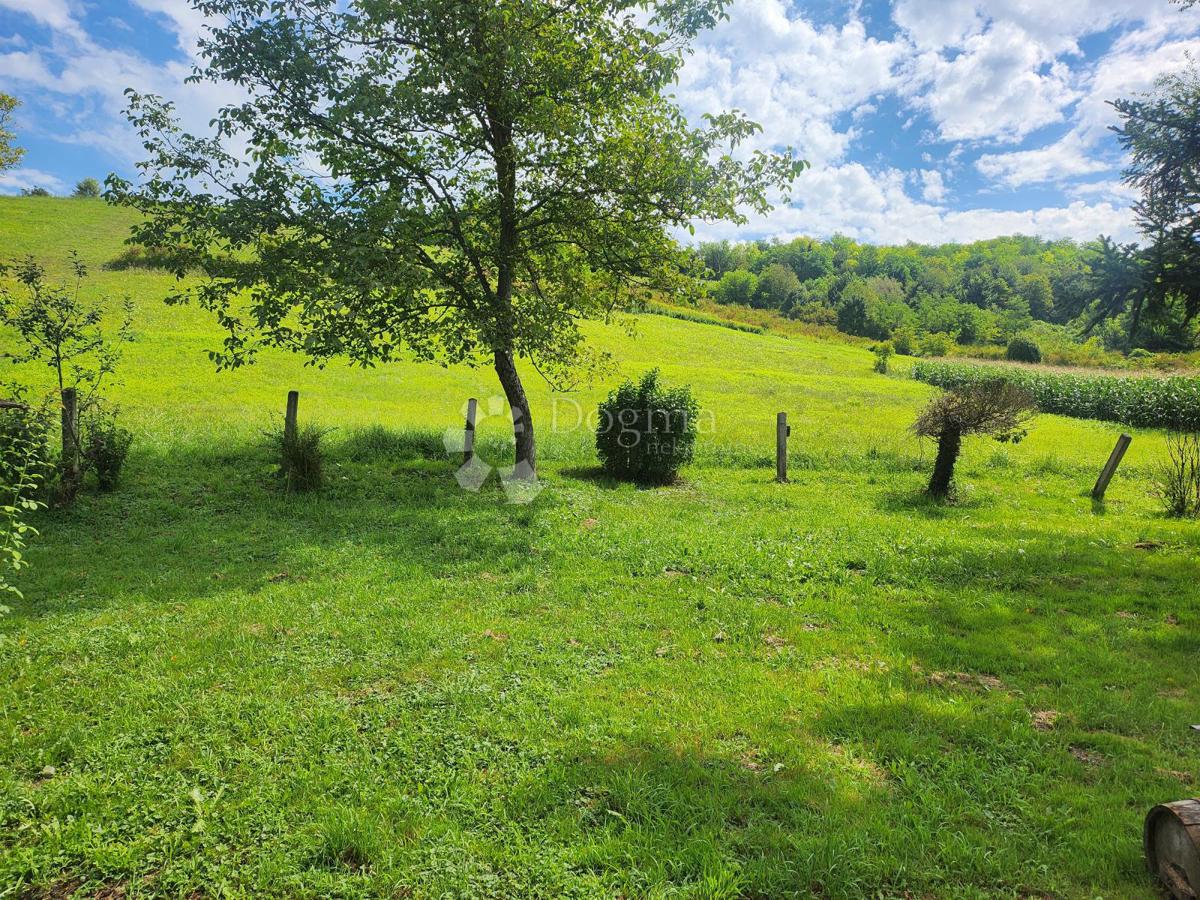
[70,434]
[1110,467]
[782,431]
[290,426]
[1171,838]
[13,404]
[469,431]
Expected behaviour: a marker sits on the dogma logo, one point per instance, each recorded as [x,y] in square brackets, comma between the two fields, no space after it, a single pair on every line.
[519,483]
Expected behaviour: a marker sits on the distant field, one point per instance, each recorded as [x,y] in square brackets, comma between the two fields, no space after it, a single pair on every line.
[727,688]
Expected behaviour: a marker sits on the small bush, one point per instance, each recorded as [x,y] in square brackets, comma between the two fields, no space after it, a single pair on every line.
[1177,482]
[1023,349]
[904,340]
[87,189]
[35,192]
[646,433]
[25,444]
[300,458]
[24,467]
[935,343]
[104,445]
[883,352]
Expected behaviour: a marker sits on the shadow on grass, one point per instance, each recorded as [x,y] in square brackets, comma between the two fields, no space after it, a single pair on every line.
[197,522]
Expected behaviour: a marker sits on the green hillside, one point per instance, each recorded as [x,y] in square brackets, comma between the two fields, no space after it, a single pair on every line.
[725,688]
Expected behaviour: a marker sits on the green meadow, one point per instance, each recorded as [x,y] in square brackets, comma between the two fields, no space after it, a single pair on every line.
[725,688]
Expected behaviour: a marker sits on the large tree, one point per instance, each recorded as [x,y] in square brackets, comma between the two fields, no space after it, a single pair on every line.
[1161,132]
[464,180]
[10,154]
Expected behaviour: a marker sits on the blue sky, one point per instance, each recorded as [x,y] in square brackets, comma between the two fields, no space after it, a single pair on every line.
[926,120]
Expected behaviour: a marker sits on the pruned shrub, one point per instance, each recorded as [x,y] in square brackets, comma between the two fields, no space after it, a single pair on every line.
[994,408]
[1177,482]
[883,352]
[300,457]
[1023,349]
[646,432]
[104,445]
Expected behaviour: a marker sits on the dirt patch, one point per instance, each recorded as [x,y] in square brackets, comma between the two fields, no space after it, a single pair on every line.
[1086,756]
[978,681]
[1044,719]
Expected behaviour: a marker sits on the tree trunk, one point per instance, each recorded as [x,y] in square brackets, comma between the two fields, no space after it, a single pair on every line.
[526,455]
[949,443]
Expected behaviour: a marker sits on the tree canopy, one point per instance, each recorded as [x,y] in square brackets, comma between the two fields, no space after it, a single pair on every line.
[10,154]
[459,181]
[1161,132]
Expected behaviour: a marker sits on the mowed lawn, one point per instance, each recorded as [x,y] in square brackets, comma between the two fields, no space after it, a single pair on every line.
[725,688]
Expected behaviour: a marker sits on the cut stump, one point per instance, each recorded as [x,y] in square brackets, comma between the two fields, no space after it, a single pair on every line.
[1172,843]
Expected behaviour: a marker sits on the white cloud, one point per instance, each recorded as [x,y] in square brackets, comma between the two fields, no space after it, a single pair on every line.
[1064,159]
[84,82]
[53,14]
[933,186]
[875,207]
[792,77]
[16,180]
[1000,87]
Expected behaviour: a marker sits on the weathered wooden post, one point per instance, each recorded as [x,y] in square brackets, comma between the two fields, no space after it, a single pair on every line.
[1110,467]
[290,417]
[70,434]
[781,437]
[469,431]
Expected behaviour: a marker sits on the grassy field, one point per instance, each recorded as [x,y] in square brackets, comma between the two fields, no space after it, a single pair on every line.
[727,688]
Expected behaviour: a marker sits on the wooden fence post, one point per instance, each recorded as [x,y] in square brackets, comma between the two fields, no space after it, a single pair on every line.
[70,434]
[1110,467]
[290,417]
[781,437]
[469,431]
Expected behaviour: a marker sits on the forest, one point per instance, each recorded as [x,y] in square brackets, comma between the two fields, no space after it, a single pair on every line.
[924,298]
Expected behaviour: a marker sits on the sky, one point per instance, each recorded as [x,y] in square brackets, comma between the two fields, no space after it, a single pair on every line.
[923,120]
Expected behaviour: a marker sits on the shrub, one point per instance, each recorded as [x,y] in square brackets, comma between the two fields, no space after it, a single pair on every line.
[1143,402]
[646,432]
[25,443]
[904,340]
[935,343]
[1023,349]
[24,466]
[994,407]
[87,188]
[104,445]
[300,458]
[883,352]
[1177,482]
[35,192]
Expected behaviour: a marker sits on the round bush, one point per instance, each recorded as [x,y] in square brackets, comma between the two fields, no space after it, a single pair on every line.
[646,432]
[1023,349]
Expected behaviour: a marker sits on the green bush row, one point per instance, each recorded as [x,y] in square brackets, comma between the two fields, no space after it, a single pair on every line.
[1139,402]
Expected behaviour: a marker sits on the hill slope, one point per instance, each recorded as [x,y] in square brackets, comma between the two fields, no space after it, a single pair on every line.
[726,688]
